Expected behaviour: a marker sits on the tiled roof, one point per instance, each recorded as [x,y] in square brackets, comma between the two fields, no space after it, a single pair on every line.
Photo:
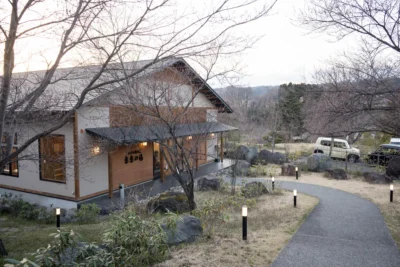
[68,83]
[136,134]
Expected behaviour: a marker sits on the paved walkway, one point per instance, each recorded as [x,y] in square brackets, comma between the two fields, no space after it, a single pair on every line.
[342,230]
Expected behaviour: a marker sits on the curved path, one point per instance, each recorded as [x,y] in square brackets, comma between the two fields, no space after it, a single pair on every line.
[342,230]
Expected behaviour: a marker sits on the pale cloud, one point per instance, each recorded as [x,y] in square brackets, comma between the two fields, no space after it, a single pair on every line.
[287,53]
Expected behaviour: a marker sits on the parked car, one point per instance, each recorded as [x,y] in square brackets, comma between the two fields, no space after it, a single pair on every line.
[383,154]
[341,149]
[395,141]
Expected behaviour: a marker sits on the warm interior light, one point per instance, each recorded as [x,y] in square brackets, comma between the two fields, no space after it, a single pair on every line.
[189,137]
[244,211]
[144,144]
[391,187]
[295,192]
[297,169]
[212,135]
[58,211]
[96,150]
[273,179]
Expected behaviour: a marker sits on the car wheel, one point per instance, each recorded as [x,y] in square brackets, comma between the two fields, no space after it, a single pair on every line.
[352,158]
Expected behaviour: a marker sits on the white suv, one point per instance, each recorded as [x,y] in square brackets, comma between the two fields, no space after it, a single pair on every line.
[341,149]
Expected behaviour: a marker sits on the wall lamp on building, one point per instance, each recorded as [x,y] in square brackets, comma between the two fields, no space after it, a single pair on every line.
[95,150]
[189,137]
[212,135]
[144,144]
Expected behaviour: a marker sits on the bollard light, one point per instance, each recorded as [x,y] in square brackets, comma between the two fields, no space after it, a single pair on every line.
[273,183]
[122,192]
[297,173]
[244,222]
[58,215]
[391,193]
[295,198]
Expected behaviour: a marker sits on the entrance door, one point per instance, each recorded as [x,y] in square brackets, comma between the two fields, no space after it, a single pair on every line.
[52,158]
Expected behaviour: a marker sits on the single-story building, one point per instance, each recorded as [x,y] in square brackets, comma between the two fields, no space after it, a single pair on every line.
[99,149]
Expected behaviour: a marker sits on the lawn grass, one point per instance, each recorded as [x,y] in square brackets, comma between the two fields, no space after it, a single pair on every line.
[271,224]
[377,193]
[21,237]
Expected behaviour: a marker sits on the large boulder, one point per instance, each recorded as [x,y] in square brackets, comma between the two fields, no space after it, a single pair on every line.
[393,168]
[318,162]
[338,174]
[376,178]
[242,167]
[204,184]
[288,170]
[251,154]
[240,152]
[169,201]
[188,228]
[254,189]
[266,156]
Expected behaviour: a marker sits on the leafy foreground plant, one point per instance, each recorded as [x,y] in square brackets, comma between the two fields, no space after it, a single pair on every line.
[130,241]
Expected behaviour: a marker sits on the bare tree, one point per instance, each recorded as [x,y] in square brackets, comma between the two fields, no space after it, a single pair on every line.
[99,33]
[360,91]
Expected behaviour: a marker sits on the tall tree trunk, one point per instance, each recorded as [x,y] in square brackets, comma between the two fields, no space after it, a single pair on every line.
[8,66]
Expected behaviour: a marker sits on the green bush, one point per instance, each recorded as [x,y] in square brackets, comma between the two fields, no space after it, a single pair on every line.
[130,241]
[270,137]
[87,213]
[21,209]
[135,242]
[258,170]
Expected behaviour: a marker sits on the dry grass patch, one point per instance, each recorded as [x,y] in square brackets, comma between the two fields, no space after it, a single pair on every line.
[377,193]
[271,224]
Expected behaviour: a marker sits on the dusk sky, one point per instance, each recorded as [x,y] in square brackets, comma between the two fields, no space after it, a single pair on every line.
[287,53]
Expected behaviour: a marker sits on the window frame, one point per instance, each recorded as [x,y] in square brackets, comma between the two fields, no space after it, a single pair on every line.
[40,162]
[10,166]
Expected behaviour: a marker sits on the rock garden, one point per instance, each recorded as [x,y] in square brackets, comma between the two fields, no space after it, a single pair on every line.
[160,231]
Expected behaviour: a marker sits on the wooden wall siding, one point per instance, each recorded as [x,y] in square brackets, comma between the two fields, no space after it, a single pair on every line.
[131,173]
[121,116]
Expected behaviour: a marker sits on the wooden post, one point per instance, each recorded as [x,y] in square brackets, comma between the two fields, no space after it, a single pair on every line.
[222,148]
[76,158]
[110,178]
[162,173]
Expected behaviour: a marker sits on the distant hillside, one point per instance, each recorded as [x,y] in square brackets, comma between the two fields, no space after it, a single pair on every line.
[257,90]
[260,90]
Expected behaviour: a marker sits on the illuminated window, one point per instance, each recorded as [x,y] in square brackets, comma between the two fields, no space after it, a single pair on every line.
[11,168]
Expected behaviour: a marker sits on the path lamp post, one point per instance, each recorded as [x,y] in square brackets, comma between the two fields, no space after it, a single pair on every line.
[273,183]
[297,173]
[391,193]
[295,198]
[58,215]
[244,222]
